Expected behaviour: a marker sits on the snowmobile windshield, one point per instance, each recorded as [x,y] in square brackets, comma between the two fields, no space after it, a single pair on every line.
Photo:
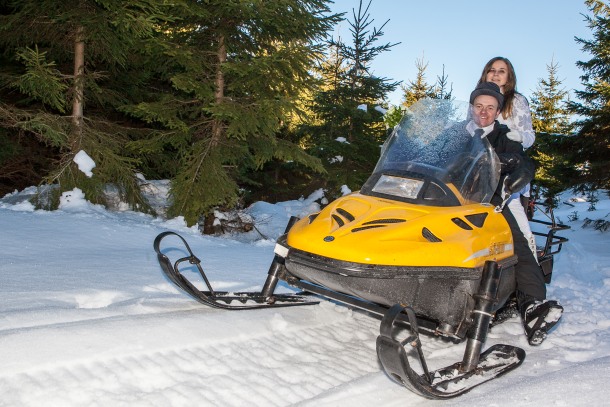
[432,158]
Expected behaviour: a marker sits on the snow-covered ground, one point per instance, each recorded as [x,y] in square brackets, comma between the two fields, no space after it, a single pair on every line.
[87,318]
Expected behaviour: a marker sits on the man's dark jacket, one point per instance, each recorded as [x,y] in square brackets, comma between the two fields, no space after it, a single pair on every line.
[518,170]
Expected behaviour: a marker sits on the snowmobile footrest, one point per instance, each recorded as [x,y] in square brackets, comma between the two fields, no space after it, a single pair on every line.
[443,383]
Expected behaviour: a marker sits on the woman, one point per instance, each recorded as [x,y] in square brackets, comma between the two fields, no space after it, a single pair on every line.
[516,115]
[516,111]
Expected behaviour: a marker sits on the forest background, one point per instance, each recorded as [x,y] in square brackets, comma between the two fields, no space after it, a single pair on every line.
[235,101]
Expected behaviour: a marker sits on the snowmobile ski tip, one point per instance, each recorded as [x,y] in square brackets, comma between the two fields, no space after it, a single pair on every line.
[220,299]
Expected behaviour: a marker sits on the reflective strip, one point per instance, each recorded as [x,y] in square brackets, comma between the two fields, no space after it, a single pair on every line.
[280,250]
[476,255]
[487,252]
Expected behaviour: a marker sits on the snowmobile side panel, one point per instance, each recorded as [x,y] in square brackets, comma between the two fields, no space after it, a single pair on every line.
[388,285]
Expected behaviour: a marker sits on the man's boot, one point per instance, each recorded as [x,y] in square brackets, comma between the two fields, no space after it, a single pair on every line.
[538,318]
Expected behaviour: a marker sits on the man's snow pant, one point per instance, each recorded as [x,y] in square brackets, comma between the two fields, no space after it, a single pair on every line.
[528,274]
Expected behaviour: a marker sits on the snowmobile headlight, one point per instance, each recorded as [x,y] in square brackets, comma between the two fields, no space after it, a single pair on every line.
[398,186]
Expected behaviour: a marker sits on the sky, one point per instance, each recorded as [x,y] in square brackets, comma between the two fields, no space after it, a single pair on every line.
[464,35]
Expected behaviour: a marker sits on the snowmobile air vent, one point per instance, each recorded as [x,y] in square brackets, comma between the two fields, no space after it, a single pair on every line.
[366,228]
[389,220]
[461,224]
[430,236]
[313,216]
[338,219]
[345,214]
[478,219]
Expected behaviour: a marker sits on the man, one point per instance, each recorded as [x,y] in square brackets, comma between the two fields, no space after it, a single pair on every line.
[538,314]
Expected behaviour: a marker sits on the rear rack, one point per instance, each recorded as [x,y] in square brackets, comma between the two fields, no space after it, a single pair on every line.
[553,242]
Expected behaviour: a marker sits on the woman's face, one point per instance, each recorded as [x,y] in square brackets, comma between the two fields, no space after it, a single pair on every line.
[498,73]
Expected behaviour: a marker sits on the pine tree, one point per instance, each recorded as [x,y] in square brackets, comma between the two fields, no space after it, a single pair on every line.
[237,69]
[64,79]
[551,121]
[440,89]
[419,88]
[550,105]
[591,148]
[349,131]
[393,116]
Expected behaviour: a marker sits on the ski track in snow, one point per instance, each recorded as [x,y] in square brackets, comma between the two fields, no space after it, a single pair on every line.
[87,319]
[299,360]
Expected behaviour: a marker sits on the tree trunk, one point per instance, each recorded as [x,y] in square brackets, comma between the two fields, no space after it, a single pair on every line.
[217,127]
[219,92]
[79,70]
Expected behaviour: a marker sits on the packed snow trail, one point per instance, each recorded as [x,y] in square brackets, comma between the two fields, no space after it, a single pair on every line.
[303,353]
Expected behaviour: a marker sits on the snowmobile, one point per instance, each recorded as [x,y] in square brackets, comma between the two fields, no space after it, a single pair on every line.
[420,246]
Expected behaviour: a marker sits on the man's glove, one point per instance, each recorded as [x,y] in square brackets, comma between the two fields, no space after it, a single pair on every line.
[520,169]
[510,162]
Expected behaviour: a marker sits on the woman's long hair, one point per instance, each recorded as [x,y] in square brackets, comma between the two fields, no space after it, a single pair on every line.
[509,89]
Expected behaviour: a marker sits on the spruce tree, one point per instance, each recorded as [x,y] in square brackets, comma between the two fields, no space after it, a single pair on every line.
[393,116]
[419,88]
[442,89]
[236,70]
[350,127]
[550,104]
[591,149]
[64,78]
[551,121]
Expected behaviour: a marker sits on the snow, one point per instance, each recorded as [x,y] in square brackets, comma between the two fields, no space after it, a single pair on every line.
[85,163]
[381,109]
[88,319]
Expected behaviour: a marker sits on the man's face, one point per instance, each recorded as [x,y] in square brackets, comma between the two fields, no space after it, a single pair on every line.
[485,110]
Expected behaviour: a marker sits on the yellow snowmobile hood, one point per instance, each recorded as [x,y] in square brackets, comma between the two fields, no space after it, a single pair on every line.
[370,230]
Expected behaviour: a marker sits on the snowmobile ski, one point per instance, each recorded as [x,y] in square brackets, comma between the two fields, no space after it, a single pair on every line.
[474,369]
[221,299]
[448,382]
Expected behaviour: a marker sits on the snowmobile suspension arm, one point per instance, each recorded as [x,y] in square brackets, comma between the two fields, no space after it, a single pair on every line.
[276,268]
[485,300]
